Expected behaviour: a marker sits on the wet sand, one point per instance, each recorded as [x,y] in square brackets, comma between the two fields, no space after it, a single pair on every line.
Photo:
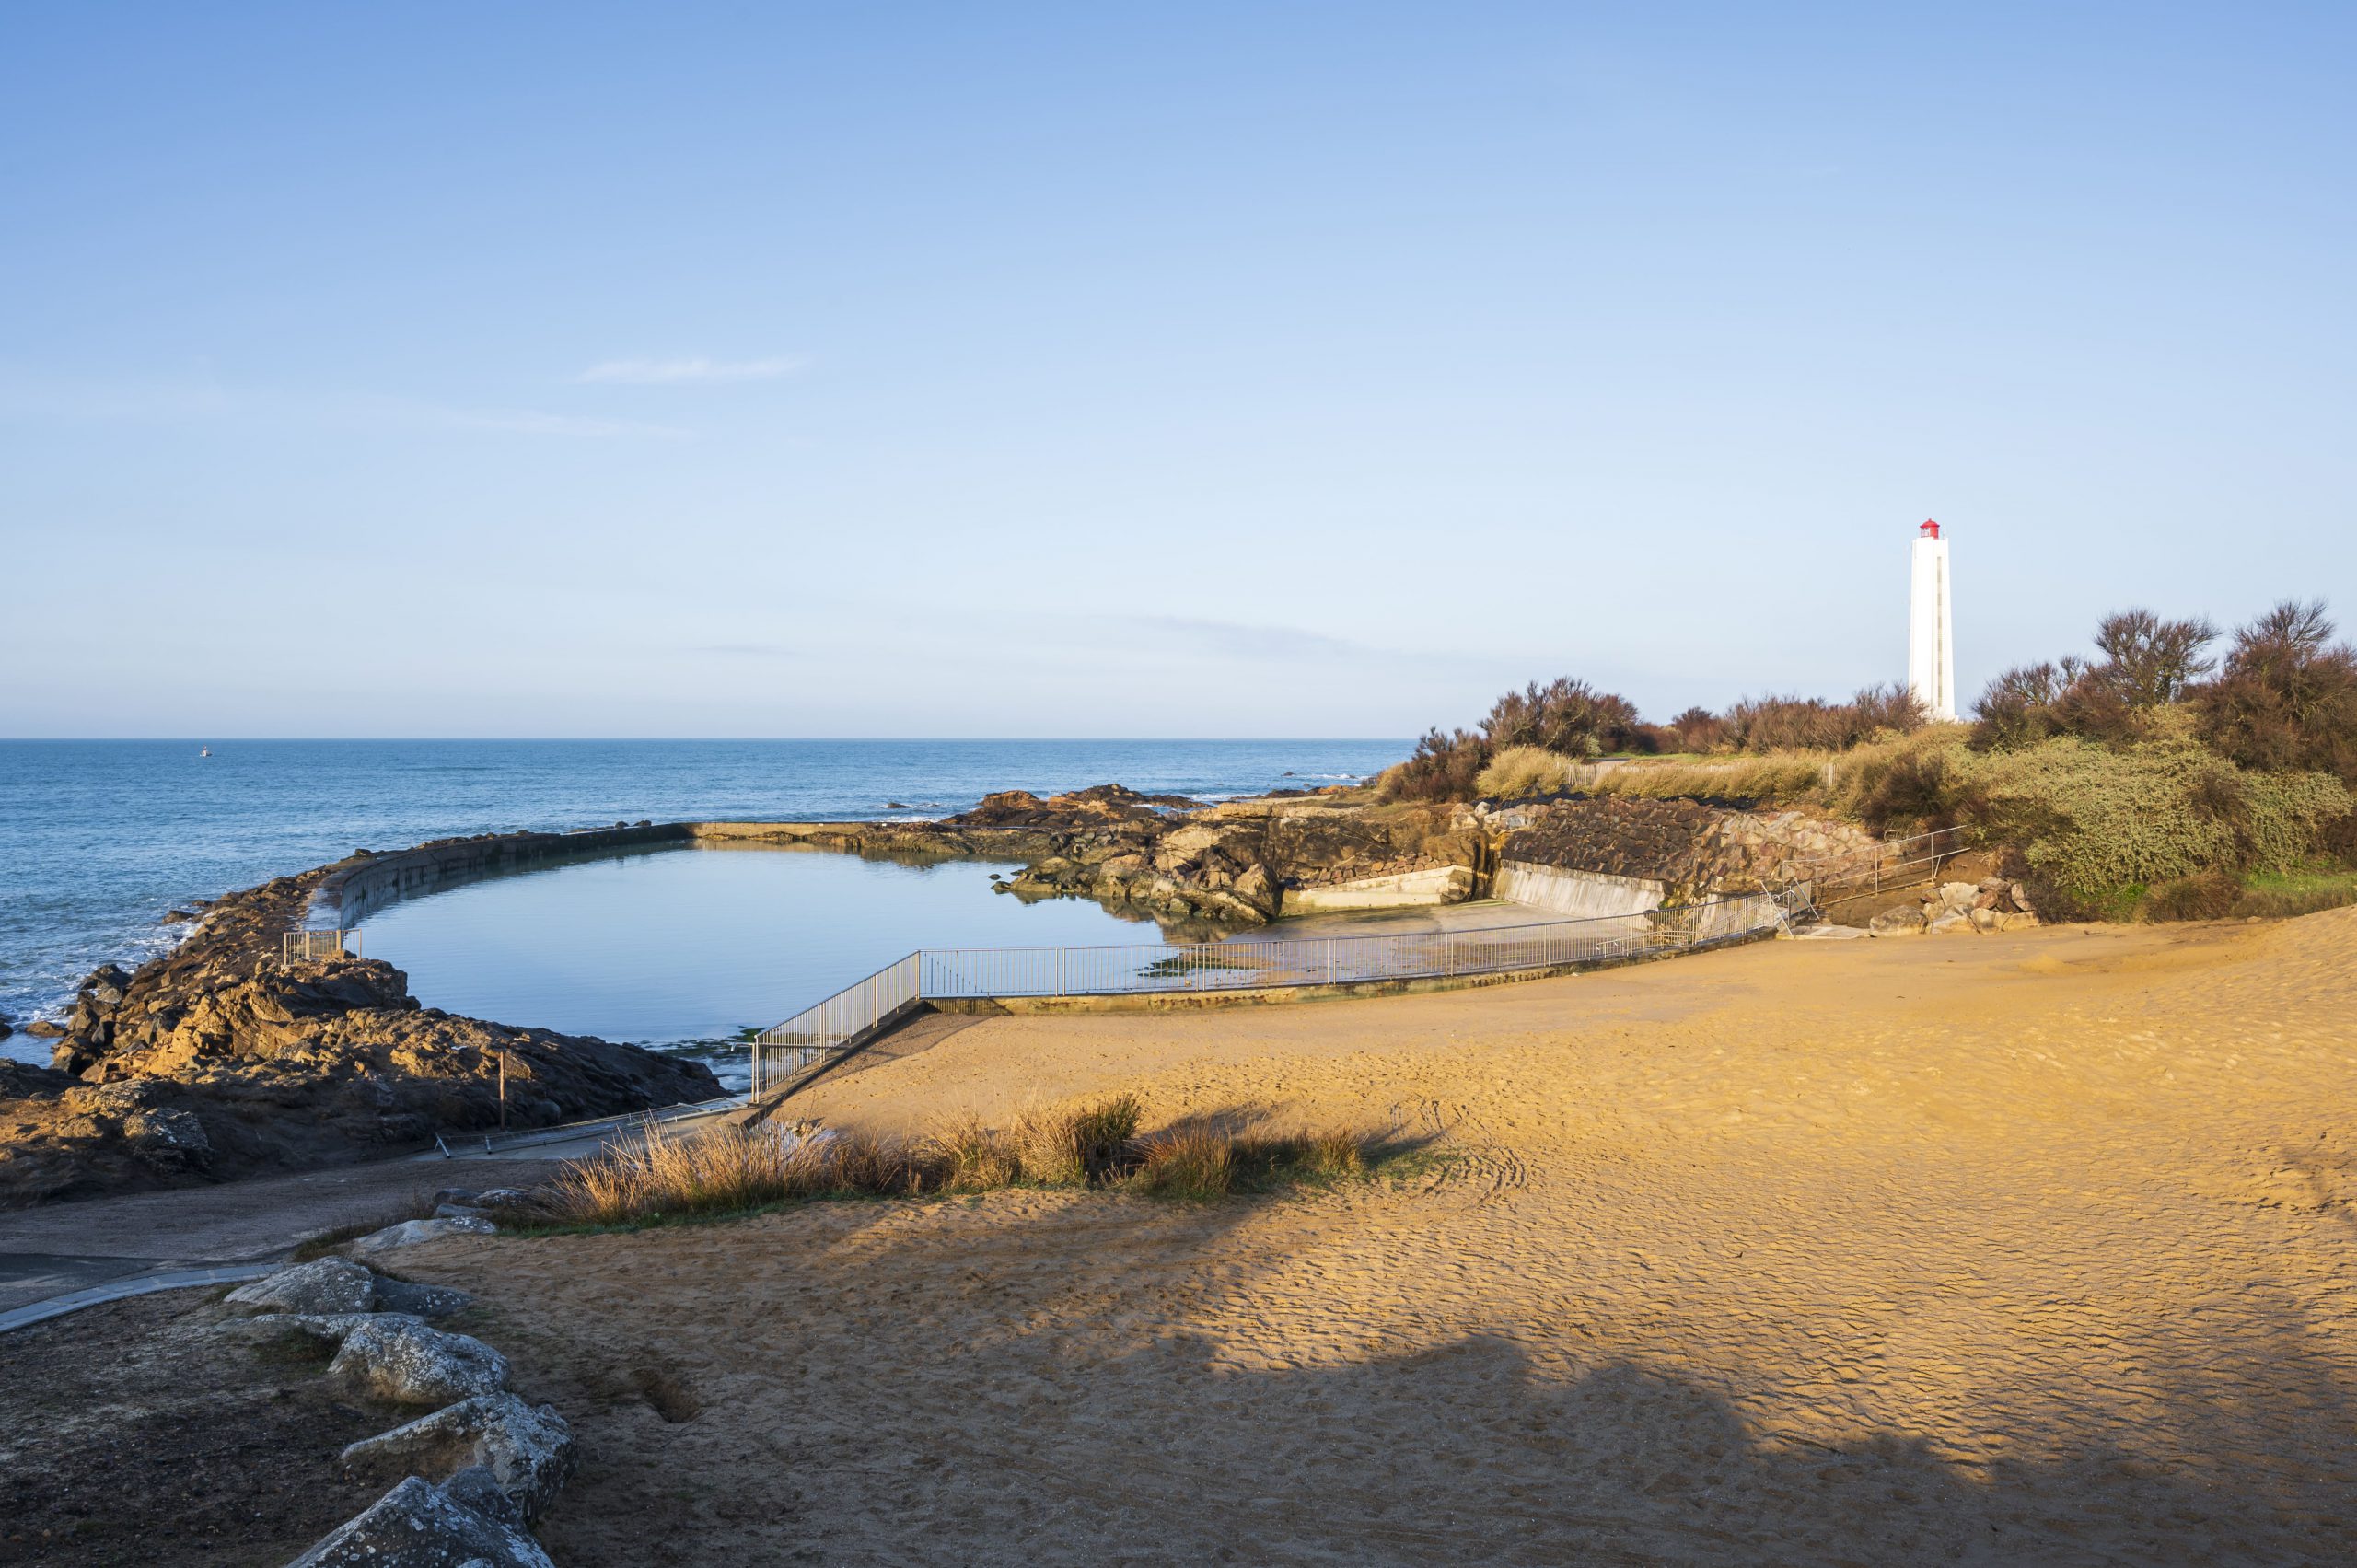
[2023,1248]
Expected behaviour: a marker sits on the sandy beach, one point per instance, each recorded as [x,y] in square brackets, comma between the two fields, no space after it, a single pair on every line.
[2023,1248]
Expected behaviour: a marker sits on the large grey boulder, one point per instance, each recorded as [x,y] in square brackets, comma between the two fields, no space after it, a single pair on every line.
[527,1450]
[324,1285]
[401,1361]
[425,1300]
[409,1233]
[418,1526]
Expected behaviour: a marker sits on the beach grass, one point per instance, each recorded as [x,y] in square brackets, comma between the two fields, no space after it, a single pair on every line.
[650,1178]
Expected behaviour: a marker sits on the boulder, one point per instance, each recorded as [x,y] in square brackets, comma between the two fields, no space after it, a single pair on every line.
[475,1487]
[503,1199]
[45,1028]
[409,1233]
[400,1360]
[103,991]
[325,1285]
[527,1450]
[7,1028]
[1949,920]
[417,1524]
[1985,919]
[1904,920]
[424,1301]
[318,1331]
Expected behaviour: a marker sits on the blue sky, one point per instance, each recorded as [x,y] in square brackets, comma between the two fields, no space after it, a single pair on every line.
[1126,370]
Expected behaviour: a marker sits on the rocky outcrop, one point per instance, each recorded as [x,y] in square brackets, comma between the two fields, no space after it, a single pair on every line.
[1101,805]
[1232,863]
[220,1061]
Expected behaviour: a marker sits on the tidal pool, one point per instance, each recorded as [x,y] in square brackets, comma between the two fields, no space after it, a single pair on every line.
[688,948]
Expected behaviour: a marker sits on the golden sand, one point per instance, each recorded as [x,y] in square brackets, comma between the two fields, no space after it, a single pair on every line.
[2023,1248]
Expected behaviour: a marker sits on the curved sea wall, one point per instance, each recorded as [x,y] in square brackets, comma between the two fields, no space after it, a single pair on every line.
[355,887]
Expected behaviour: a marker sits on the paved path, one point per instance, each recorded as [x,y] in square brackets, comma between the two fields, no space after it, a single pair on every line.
[106,1248]
[67,1248]
[117,1286]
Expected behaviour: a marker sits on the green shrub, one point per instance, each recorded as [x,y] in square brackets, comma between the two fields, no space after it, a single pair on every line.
[2091,818]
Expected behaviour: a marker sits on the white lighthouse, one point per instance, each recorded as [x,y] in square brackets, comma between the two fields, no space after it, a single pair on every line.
[1931,633]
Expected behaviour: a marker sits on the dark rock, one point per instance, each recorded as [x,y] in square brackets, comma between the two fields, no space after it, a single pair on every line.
[1097,806]
[45,1028]
[176,917]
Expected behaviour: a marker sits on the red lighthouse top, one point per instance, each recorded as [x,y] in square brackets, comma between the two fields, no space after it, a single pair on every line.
[1929,529]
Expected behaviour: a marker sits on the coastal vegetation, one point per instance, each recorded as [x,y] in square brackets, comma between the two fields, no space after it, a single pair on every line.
[650,1178]
[2154,778]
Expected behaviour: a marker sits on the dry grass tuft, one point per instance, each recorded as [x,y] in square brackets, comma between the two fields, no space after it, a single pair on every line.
[973,1158]
[1188,1162]
[1519,771]
[733,1170]
[1074,1148]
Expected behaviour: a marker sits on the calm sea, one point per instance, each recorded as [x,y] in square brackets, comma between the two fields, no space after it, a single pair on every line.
[100,839]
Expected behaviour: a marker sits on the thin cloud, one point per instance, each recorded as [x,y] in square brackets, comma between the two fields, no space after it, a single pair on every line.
[696,371]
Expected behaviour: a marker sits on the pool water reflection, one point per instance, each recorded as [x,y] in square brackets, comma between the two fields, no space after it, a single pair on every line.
[688,947]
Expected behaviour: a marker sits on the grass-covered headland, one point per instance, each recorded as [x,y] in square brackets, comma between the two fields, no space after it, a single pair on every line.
[2175,773]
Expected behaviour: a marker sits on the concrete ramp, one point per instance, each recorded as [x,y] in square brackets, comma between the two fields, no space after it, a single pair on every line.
[1580,894]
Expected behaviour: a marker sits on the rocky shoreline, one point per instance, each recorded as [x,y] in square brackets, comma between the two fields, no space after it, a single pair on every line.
[220,1059]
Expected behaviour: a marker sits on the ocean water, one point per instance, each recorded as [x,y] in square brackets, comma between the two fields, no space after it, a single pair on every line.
[99,840]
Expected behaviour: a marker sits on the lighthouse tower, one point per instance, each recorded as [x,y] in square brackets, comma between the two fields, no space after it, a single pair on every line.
[1931,636]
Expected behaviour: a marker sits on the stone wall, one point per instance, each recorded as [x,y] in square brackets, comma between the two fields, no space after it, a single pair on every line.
[1693,850]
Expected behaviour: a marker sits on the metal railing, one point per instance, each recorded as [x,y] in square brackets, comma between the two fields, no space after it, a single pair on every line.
[860,1012]
[1895,862]
[303,946]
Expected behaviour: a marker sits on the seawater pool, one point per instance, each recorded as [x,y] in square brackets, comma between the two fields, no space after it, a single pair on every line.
[686,947]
